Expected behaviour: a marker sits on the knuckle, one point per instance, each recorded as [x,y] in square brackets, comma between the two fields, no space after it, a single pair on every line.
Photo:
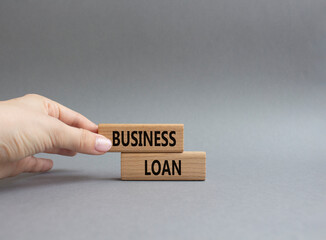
[76,119]
[5,151]
[27,164]
[14,148]
[56,136]
[33,163]
[32,95]
[83,139]
[51,108]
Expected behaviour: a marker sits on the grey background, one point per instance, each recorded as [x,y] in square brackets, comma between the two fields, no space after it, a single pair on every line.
[246,77]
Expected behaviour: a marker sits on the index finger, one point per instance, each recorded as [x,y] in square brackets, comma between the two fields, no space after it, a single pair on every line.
[70,117]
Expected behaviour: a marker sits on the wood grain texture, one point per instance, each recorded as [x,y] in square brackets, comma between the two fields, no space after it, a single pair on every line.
[144,137]
[163,166]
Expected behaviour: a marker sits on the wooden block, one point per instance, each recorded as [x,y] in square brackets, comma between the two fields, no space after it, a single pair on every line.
[163,166]
[144,137]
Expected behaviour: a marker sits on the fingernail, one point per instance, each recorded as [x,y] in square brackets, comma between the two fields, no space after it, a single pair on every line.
[102,144]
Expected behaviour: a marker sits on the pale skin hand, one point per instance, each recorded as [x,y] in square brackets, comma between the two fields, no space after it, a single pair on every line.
[34,124]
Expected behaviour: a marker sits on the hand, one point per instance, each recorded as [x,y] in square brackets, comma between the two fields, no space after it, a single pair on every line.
[34,124]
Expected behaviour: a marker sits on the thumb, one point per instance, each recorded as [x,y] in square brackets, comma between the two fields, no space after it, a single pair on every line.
[82,141]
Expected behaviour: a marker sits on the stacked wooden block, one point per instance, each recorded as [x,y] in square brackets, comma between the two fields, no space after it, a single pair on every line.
[154,152]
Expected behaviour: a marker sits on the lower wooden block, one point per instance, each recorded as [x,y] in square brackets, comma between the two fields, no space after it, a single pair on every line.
[163,166]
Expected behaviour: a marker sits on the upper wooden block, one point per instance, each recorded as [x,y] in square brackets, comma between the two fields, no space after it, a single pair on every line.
[144,137]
